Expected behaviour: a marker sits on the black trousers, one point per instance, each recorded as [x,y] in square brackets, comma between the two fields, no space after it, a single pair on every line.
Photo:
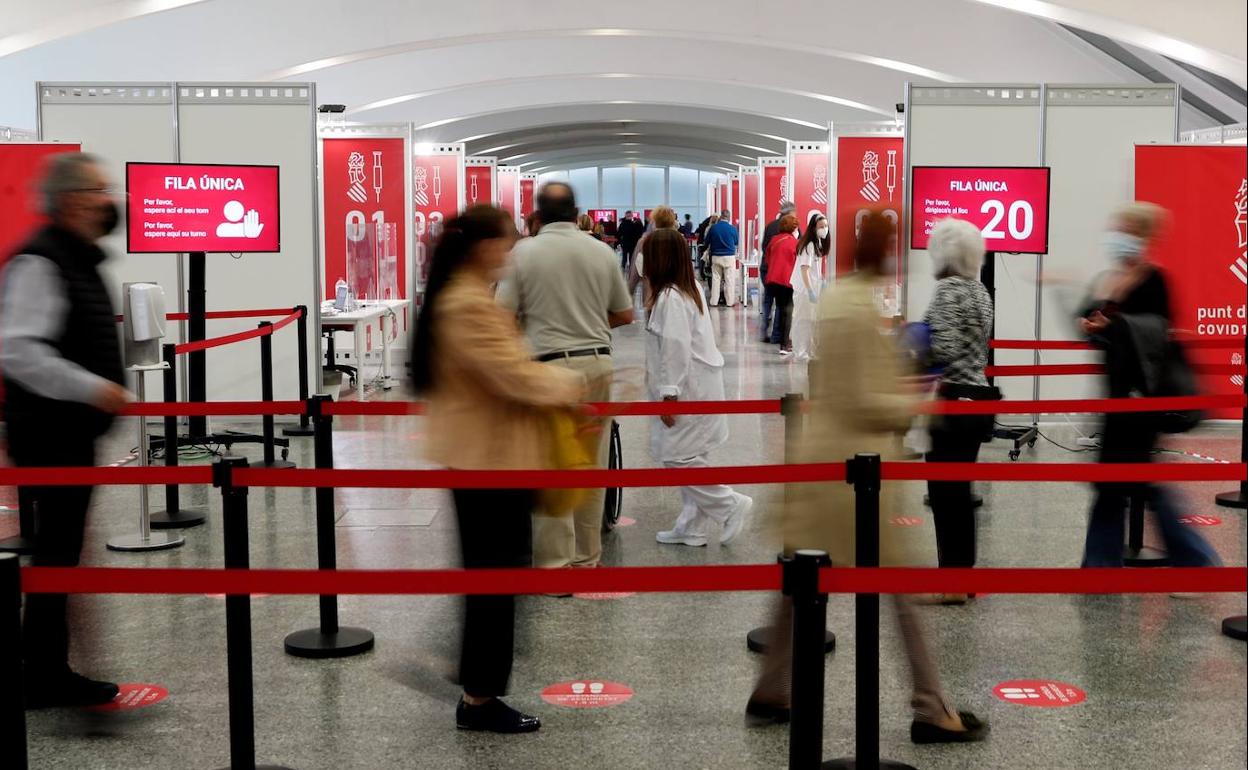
[784,313]
[495,531]
[60,521]
[955,439]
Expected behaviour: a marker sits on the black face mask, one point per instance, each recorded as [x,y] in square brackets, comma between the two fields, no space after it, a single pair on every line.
[111,218]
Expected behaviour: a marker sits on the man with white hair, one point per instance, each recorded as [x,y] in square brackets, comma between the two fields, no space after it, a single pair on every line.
[61,363]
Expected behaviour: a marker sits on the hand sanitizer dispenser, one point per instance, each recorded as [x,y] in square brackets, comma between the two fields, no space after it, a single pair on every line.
[144,327]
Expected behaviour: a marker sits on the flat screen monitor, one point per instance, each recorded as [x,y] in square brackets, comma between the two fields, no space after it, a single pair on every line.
[180,207]
[1009,204]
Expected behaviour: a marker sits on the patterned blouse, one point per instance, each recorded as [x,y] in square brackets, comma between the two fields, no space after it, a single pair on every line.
[960,317]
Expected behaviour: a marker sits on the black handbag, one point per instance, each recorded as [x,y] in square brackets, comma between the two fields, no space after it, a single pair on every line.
[1178,379]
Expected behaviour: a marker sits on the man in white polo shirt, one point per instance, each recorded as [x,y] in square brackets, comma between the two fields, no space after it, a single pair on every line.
[568,291]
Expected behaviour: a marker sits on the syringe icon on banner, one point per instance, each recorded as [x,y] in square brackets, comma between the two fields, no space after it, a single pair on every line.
[377,182]
[472,189]
[892,173]
[820,194]
[420,181]
[437,185]
[871,175]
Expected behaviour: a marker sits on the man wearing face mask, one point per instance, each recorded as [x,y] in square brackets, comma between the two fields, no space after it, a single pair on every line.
[61,362]
[569,294]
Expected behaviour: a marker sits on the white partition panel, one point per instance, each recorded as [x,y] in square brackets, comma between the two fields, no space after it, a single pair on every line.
[1090,139]
[259,124]
[978,125]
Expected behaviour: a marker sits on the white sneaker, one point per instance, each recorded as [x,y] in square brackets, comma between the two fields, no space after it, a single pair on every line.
[672,537]
[785,352]
[736,519]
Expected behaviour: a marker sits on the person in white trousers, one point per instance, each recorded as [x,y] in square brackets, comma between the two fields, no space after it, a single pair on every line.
[722,241]
[807,282]
[683,363]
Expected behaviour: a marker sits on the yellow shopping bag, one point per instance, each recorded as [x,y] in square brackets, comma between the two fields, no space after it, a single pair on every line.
[572,441]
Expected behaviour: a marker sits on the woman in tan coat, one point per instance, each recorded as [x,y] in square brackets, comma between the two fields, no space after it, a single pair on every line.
[858,403]
[486,399]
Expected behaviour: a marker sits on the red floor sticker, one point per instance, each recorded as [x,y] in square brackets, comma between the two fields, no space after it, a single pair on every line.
[135,696]
[1040,693]
[587,694]
[1198,520]
[625,522]
[905,521]
[604,595]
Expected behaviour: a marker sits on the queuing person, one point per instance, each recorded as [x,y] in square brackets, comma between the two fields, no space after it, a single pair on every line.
[781,258]
[485,400]
[628,233]
[807,285]
[569,294]
[62,369]
[769,297]
[1131,323]
[721,243]
[599,232]
[662,218]
[532,223]
[686,227]
[858,404]
[704,262]
[585,224]
[959,322]
[683,363]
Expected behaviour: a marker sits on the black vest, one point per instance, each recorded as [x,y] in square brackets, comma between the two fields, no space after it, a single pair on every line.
[89,338]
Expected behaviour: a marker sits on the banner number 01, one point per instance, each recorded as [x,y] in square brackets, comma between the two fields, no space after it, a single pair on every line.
[1020,221]
[355,223]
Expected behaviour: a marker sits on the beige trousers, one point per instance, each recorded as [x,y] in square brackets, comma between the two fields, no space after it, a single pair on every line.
[563,539]
[724,271]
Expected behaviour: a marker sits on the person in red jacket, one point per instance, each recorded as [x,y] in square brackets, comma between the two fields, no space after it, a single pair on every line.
[781,256]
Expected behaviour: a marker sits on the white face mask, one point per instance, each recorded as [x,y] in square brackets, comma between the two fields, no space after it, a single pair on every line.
[797,233]
[1122,247]
[823,232]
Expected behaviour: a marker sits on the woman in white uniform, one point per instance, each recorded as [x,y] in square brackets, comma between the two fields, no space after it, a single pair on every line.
[807,282]
[683,363]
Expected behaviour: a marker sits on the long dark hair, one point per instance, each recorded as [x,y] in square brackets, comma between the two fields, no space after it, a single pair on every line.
[668,264]
[822,245]
[460,238]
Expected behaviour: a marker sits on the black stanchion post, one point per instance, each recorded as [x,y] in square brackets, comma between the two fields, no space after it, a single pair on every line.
[1135,553]
[810,618]
[196,330]
[238,619]
[304,428]
[1239,498]
[174,516]
[863,471]
[791,406]
[1236,627]
[12,707]
[329,640]
[266,395]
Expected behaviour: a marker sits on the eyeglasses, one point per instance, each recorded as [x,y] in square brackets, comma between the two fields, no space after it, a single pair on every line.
[101,190]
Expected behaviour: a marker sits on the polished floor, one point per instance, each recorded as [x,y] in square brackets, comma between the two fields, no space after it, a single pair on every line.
[1164,689]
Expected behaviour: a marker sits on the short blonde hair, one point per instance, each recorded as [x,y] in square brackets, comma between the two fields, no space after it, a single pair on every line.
[1141,219]
[957,248]
[664,218]
[583,222]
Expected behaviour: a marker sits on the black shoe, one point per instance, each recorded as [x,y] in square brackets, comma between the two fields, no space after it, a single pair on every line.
[758,713]
[926,732]
[494,716]
[65,688]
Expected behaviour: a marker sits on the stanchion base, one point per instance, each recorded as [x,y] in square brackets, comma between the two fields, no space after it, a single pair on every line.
[158,541]
[182,518]
[1145,557]
[18,545]
[275,465]
[314,644]
[758,640]
[976,501]
[849,763]
[1236,627]
[1234,499]
[298,430]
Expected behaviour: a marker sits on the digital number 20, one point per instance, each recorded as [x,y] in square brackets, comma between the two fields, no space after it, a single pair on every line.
[1019,210]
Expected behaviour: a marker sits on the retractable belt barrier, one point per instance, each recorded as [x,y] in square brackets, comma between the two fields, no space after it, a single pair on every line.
[263,330]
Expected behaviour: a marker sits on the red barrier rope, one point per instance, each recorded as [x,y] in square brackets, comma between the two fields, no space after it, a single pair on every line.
[748,577]
[214,408]
[105,476]
[600,409]
[373,408]
[1088,406]
[1192,343]
[1069,472]
[1064,369]
[228,339]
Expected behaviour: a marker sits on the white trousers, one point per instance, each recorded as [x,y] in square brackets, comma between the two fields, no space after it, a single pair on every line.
[803,336]
[724,270]
[705,505]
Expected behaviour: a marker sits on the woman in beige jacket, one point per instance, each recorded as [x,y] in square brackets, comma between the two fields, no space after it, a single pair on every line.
[857,404]
[486,399]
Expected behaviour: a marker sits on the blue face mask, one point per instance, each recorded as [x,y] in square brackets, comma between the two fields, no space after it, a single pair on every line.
[1122,247]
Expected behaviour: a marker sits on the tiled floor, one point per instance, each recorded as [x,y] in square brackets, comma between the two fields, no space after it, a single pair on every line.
[1163,688]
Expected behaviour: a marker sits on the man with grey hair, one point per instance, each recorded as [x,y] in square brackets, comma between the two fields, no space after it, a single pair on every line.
[721,243]
[60,360]
[769,299]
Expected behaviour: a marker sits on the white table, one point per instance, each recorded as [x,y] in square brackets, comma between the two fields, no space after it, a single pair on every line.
[358,321]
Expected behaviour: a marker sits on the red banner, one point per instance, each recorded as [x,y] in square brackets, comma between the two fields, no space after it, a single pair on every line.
[435,196]
[869,175]
[362,183]
[734,203]
[526,197]
[775,184]
[750,226]
[1205,189]
[478,184]
[20,167]
[507,191]
[810,185]
[1010,205]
